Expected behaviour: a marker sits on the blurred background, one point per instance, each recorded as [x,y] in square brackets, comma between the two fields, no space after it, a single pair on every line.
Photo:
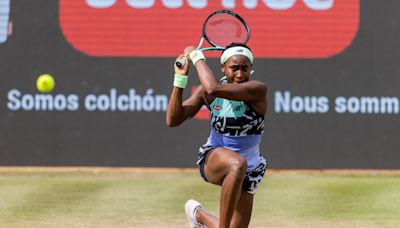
[331,69]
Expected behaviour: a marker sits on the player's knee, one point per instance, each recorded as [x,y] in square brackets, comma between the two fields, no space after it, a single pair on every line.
[238,166]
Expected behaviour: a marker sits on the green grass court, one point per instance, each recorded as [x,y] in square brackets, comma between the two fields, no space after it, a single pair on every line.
[156,199]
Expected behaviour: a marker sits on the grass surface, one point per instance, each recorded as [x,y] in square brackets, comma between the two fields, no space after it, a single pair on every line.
[135,199]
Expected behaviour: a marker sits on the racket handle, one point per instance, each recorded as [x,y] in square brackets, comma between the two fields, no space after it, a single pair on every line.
[180,63]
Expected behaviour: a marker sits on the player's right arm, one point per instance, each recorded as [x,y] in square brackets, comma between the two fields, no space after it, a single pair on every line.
[178,111]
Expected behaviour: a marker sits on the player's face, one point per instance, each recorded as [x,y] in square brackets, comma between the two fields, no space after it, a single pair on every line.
[237,69]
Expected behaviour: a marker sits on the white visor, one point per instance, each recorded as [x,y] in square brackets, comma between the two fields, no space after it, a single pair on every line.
[237,50]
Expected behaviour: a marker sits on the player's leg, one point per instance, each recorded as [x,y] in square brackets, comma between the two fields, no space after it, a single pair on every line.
[207,219]
[226,168]
[241,216]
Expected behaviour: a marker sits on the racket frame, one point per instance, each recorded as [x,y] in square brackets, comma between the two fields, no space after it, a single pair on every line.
[215,47]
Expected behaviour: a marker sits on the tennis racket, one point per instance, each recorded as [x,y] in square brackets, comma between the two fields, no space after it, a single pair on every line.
[220,29]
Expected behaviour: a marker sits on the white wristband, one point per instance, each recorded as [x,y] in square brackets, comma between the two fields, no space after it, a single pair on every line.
[196,55]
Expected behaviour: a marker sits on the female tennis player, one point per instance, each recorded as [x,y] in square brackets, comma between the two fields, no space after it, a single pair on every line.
[231,156]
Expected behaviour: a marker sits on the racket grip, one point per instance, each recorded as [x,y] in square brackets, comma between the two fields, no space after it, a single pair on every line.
[180,63]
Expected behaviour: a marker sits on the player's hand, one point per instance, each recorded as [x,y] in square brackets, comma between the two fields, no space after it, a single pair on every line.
[184,70]
[188,50]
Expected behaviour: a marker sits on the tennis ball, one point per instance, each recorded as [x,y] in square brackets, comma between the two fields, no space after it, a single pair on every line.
[45,83]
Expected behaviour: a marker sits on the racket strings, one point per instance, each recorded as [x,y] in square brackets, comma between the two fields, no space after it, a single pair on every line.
[224,29]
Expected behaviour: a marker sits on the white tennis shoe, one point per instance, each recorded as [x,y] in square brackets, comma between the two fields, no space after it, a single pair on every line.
[191,208]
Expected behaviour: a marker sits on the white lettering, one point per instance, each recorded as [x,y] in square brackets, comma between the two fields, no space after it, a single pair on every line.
[250,4]
[100,4]
[297,104]
[390,105]
[172,4]
[340,104]
[123,103]
[44,102]
[90,102]
[367,105]
[282,101]
[135,101]
[27,102]
[13,100]
[4,20]
[229,4]
[103,102]
[279,4]
[41,102]
[72,102]
[161,103]
[60,102]
[323,104]
[126,102]
[197,4]
[140,4]
[353,105]
[318,5]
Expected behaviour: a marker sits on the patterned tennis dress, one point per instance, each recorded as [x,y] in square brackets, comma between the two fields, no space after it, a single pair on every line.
[236,126]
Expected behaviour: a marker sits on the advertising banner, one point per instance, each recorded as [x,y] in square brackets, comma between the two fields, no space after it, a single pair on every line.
[330,67]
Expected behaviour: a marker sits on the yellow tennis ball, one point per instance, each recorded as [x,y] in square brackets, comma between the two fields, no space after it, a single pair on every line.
[45,83]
